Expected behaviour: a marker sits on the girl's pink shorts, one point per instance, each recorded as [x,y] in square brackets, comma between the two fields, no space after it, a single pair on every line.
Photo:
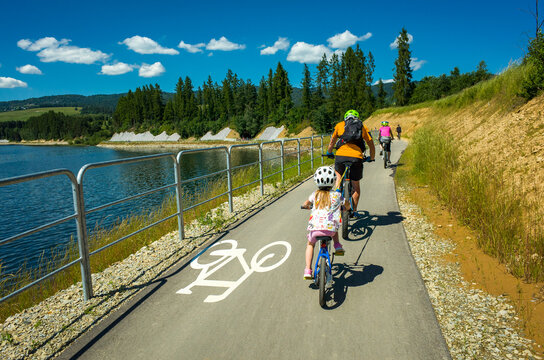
[313,234]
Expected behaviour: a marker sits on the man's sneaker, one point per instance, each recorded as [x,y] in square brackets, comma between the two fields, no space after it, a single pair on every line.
[308,274]
[381,152]
[338,250]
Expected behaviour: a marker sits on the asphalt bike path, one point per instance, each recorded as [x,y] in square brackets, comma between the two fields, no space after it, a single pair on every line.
[245,297]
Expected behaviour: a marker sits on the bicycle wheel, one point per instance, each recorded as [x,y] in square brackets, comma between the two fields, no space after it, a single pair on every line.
[323,269]
[345,213]
[385,158]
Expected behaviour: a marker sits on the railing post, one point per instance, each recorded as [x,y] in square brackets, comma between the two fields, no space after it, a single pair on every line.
[322,160]
[298,156]
[282,162]
[79,207]
[181,226]
[229,179]
[312,151]
[261,168]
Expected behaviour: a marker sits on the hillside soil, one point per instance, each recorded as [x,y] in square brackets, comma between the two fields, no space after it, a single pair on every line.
[512,141]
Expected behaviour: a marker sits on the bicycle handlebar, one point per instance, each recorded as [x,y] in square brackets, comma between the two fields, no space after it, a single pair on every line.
[331,156]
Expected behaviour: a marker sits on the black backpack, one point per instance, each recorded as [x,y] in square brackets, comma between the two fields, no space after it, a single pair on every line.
[353,134]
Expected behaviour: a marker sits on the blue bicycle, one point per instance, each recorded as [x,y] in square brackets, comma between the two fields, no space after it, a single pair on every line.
[323,266]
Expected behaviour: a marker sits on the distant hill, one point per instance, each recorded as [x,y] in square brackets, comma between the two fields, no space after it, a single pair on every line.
[90,104]
[97,104]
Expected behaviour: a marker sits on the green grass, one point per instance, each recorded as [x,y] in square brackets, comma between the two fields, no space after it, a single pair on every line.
[102,236]
[508,225]
[24,115]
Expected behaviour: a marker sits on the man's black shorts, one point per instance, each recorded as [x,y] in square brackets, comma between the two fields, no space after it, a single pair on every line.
[356,170]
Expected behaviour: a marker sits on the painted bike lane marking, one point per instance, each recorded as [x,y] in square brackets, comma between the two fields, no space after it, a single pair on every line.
[226,256]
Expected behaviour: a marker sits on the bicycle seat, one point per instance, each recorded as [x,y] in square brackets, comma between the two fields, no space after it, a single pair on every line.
[323,238]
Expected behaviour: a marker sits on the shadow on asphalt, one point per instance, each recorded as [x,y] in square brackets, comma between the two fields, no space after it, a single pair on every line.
[349,275]
[363,227]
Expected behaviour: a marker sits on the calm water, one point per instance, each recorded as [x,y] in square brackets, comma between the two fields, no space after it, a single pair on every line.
[28,205]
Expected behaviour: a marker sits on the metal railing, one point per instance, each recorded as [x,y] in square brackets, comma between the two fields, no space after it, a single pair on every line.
[80,211]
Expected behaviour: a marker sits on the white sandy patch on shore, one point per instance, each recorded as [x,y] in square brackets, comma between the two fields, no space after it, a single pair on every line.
[146,136]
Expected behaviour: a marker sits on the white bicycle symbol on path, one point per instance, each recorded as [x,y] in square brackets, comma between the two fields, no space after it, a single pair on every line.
[226,256]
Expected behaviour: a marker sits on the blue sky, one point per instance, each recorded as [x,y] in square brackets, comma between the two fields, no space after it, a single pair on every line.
[104,47]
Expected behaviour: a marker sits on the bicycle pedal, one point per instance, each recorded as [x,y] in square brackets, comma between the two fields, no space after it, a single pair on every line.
[339,253]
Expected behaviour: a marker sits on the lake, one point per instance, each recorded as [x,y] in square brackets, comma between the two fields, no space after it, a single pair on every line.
[39,202]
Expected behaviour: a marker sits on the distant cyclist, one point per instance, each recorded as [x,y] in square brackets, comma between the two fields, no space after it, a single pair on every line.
[385,138]
[399,130]
[350,136]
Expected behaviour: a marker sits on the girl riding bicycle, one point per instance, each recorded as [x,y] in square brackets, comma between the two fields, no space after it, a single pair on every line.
[326,214]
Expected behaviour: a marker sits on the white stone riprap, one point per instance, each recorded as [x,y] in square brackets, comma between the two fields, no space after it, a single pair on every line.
[221,135]
[476,325]
[143,137]
[271,133]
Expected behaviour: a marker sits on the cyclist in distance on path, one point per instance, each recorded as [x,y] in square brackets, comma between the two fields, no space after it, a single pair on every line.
[350,151]
[385,138]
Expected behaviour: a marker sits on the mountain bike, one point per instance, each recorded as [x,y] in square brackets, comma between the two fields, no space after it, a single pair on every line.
[386,141]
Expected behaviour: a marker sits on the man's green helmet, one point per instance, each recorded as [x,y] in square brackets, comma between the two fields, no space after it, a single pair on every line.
[351,114]
[385,123]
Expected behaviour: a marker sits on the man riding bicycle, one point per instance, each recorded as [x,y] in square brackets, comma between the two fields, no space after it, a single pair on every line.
[350,147]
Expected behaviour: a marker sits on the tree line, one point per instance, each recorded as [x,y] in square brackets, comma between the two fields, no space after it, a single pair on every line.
[77,129]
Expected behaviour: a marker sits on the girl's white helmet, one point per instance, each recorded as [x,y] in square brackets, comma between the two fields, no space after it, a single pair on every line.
[325,177]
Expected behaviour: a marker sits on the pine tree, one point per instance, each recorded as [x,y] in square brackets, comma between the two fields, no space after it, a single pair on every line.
[380,101]
[322,81]
[403,86]
[306,90]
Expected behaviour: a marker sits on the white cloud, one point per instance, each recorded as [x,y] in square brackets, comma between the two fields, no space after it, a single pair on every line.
[43,43]
[10,83]
[116,69]
[224,44]
[153,70]
[191,48]
[395,44]
[52,50]
[386,81]
[346,39]
[145,45]
[72,54]
[281,44]
[416,64]
[308,53]
[29,69]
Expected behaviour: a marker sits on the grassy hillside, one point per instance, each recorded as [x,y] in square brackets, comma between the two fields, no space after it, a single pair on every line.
[23,115]
[482,151]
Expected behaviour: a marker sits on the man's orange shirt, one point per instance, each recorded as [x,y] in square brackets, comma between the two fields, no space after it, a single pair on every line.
[350,150]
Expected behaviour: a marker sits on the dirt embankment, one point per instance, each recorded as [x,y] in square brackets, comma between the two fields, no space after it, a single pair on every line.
[512,141]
